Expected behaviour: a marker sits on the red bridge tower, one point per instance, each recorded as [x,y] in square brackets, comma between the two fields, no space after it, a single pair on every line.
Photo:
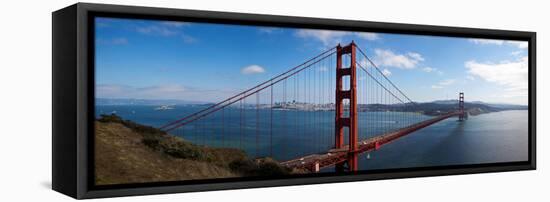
[461,116]
[348,120]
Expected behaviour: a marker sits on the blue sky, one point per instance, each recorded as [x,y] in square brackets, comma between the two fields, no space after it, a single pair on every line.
[209,62]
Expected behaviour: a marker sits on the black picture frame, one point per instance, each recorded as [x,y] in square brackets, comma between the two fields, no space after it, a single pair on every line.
[73,99]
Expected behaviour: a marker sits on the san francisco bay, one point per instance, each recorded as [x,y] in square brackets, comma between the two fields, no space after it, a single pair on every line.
[485,138]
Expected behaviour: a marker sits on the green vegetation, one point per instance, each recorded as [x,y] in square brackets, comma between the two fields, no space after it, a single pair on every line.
[176,148]
[259,167]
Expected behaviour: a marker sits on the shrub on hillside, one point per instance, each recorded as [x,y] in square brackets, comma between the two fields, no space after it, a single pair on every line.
[258,167]
[176,147]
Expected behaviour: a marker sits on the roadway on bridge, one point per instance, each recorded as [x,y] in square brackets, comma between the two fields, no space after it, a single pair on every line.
[315,162]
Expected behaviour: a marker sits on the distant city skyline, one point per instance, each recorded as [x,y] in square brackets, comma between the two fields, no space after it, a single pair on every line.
[147,59]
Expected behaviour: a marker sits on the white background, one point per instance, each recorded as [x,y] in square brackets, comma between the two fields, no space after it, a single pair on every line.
[25,102]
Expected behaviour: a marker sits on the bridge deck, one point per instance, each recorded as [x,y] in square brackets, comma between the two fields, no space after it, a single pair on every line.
[314,162]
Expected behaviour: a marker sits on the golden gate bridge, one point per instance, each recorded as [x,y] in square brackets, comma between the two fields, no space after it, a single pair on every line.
[365,111]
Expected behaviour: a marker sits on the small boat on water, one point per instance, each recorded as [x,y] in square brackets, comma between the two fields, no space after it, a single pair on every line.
[164,107]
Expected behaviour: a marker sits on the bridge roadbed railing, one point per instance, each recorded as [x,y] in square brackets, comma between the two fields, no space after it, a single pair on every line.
[315,162]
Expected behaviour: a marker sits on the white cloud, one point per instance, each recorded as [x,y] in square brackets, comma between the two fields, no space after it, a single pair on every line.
[176,23]
[428,69]
[443,83]
[327,37]
[156,30]
[512,75]
[516,53]
[188,39]
[167,29]
[447,82]
[487,41]
[269,30]
[388,58]
[332,38]
[519,44]
[415,56]
[367,36]
[252,69]
[470,78]
[164,91]
[323,69]
[432,70]
[122,91]
[386,72]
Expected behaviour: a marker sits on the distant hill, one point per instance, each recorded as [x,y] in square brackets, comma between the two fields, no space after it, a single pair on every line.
[156,102]
[444,102]
[495,105]
[441,107]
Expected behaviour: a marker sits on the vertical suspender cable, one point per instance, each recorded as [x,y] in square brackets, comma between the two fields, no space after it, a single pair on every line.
[271,124]
[257,122]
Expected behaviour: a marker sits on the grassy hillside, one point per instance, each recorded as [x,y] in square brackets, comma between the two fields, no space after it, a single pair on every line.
[127,152]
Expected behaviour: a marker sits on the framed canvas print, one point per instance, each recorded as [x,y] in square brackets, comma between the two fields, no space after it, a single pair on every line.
[155,100]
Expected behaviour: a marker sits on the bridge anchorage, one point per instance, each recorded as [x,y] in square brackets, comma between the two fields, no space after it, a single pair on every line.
[322,113]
